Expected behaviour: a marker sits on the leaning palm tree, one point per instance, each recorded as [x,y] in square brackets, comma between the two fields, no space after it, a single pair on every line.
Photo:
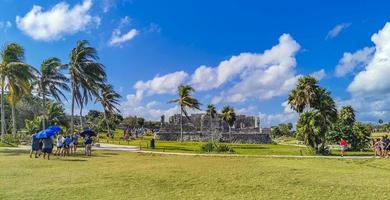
[51,83]
[185,100]
[211,111]
[85,72]
[12,68]
[109,100]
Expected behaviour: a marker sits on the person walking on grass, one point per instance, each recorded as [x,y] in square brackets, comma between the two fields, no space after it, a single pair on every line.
[34,146]
[75,139]
[377,147]
[67,142]
[88,145]
[343,146]
[385,147]
[60,145]
[47,147]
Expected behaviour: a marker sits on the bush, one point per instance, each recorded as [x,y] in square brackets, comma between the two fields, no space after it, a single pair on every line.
[216,147]
[224,148]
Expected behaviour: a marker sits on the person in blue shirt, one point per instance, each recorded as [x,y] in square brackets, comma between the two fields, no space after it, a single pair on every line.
[67,143]
[34,146]
[47,147]
[88,145]
[75,139]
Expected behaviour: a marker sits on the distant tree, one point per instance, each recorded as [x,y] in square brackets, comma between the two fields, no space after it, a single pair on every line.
[185,100]
[109,99]
[229,116]
[140,121]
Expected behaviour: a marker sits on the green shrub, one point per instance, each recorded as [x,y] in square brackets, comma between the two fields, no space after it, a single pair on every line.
[216,147]
[224,148]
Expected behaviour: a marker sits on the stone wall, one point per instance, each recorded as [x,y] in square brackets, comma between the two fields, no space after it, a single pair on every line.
[235,137]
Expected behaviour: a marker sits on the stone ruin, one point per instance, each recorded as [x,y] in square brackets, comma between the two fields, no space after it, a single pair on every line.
[201,127]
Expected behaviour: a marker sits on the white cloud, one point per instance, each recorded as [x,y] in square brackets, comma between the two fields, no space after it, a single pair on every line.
[319,75]
[118,38]
[374,78]
[160,84]
[149,111]
[261,76]
[350,61]
[337,30]
[57,22]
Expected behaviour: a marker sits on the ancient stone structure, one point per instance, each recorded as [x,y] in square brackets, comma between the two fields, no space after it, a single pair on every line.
[201,127]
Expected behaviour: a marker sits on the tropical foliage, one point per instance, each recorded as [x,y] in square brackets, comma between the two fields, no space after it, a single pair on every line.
[229,116]
[317,112]
[185,100]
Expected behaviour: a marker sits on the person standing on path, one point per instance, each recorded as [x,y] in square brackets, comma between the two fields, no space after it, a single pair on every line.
[343,146]
[47,147]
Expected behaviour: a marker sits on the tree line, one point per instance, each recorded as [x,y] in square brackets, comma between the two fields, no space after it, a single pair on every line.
[82,75]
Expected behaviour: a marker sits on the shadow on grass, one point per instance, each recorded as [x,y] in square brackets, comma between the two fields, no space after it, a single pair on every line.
[73,160]
[14,152]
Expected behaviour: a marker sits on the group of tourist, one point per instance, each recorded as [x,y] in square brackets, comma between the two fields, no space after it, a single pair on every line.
[381,146]
[65,146]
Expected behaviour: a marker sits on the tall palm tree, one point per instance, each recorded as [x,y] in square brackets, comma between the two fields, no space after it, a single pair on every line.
[304,95]
[109,100]
[12,68]
[19,84]
[211,111]
[185,100]
[85,72]
[51,83]
[347,115]
[229,116]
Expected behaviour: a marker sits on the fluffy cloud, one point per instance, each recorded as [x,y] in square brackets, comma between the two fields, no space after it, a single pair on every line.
[57,22]
[261,76]
[374,78]
[118,38]
[351,61]
[160,84]
[337,30]
[148,111]
[319,75]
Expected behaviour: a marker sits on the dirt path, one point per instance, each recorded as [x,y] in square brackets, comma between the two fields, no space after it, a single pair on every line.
[114,147]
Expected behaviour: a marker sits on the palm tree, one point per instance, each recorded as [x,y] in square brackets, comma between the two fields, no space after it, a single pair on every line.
[109,100]
[347,115]
[85,72]
[185,100]
[304,95]
[19,84]
[212,113]
[12,68]
[229,116]
[51,83]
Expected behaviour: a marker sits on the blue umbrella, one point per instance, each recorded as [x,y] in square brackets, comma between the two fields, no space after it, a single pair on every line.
[55,128]
[51,131]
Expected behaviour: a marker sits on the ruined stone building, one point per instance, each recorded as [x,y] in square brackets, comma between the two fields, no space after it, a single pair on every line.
[201,127]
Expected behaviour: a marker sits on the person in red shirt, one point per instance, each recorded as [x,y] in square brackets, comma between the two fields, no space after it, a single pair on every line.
[343,146]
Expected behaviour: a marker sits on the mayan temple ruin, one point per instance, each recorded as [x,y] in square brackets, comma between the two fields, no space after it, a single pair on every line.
[201,127]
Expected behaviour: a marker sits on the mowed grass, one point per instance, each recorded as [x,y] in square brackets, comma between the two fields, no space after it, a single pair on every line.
[124,175]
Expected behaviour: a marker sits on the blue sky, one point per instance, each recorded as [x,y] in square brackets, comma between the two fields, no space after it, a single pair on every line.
[247,54]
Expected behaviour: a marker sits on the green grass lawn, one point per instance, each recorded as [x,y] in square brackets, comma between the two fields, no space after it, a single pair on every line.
[123,175]
[3,144]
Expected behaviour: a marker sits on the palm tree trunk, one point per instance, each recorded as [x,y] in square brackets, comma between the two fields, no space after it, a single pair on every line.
[2,110]
[44,110]
[72,111]
[106,120]
[181,124]
[81,117]
[13,122]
